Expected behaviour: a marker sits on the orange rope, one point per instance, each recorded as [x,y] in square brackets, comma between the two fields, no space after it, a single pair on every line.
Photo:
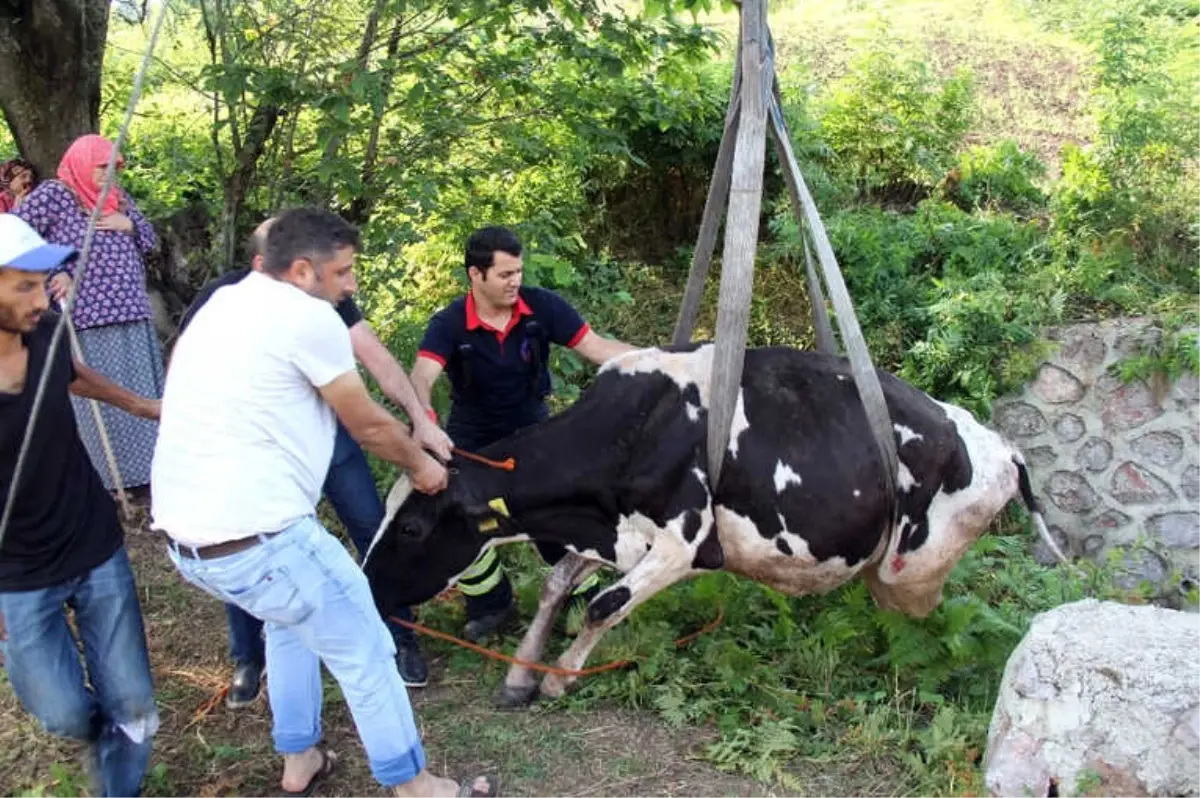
[508,464]
[537,666]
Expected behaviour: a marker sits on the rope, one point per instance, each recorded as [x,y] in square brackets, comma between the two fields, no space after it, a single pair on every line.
[83,264]
[507,464]
[551,669]
[109,456]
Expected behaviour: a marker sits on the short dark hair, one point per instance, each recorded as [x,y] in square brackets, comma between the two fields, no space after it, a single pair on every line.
[311,233]
[485,242]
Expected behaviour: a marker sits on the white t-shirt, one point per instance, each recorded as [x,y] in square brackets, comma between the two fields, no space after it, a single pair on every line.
[245,439]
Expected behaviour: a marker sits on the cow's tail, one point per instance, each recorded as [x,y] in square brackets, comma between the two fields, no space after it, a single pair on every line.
[1035,510]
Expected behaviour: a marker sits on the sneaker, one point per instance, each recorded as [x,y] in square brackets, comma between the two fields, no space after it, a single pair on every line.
[411,664]
[483,627]
[245,686]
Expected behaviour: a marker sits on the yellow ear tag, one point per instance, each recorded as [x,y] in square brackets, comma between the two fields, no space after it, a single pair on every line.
[499,506]
[488,525]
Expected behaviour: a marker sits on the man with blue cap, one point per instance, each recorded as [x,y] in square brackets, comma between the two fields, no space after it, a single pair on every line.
[63,546]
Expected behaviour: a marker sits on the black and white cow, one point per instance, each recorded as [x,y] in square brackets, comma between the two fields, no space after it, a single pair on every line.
[620,479]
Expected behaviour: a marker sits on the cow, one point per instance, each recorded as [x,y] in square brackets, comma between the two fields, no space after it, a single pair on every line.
[620,479]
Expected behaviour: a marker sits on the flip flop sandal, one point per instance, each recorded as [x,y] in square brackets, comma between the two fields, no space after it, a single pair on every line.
[468,788]
[328,760]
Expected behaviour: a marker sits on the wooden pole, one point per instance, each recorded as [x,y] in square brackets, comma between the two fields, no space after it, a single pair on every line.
[718,192]
[741,235]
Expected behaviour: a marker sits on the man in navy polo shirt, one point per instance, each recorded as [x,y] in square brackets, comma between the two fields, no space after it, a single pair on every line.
[494,345]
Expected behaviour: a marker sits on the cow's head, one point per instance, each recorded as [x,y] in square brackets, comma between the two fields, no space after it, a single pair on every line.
[425,542]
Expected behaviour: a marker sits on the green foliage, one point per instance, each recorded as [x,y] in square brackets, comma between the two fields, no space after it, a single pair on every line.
[894,127]
[1165,354]
[783,678]
[999,177]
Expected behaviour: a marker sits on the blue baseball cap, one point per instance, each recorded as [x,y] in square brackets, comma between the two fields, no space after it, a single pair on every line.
[23,249]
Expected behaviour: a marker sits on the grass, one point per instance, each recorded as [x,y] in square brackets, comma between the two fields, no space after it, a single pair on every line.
[604,750]
[1032,82]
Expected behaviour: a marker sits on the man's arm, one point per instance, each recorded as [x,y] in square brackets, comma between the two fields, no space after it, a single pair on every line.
[599,349]
[380,433]
[371,352]
[424,374]
[91,384]
[394,383]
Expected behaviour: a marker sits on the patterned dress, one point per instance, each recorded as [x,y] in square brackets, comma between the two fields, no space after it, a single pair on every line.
[113,319]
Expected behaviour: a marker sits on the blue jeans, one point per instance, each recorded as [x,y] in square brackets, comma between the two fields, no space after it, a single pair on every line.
[116,716]
[318,608]
[350,488]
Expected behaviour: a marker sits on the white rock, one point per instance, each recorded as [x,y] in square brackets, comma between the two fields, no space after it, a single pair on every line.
[1100,698]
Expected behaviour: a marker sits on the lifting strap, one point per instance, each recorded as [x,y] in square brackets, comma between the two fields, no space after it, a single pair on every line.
[736,177]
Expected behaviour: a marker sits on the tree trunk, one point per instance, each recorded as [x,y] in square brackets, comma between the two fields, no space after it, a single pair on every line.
[51,58]
[237,185]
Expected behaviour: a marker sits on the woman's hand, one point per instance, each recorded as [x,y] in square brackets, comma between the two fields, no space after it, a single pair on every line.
[118,222]
[59,285]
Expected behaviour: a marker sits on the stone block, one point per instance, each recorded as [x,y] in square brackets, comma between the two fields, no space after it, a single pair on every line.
[1020,420]
[1069,427]
[1099,698]
[1189,483]
[1108,521]
[1042,553]
[1133,484]
[1177,530]
[1125,407]
[1159,448]
[1056,385]
[1095,455]
[1070,492]
[1138,567]
[1187,388]
[1082,348]
[1038,456]
[1136,341]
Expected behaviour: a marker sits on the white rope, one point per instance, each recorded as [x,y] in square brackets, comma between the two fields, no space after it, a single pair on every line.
[69,301]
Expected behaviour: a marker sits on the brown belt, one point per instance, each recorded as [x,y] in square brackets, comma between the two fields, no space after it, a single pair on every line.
[216,550]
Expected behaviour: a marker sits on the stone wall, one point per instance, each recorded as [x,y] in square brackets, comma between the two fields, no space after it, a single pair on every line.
[1113,464]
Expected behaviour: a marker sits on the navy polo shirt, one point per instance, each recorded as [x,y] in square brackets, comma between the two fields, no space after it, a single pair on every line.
[499,378]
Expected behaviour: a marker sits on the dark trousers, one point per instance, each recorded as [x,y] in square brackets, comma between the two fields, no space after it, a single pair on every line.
[350,488]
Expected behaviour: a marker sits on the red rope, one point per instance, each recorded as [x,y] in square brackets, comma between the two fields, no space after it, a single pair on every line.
[508,464]
[537,666]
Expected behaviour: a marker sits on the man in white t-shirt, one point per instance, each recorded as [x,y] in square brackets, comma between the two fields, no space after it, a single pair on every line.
[245,440]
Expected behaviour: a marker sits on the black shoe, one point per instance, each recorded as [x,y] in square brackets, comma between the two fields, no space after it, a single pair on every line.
[411,664]
[245,686]
[483,627]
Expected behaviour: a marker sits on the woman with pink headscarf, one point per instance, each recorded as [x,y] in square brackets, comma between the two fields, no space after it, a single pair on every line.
[112,307]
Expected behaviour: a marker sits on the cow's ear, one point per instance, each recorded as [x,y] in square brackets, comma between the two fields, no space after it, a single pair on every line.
[492,518]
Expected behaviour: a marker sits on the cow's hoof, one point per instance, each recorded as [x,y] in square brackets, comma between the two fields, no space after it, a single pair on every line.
[517,697]
[554,686]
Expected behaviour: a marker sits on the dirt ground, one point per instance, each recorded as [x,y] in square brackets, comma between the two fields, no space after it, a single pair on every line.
[546,751]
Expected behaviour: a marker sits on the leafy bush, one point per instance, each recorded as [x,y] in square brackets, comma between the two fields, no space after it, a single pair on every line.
[893,126]
[998,177]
